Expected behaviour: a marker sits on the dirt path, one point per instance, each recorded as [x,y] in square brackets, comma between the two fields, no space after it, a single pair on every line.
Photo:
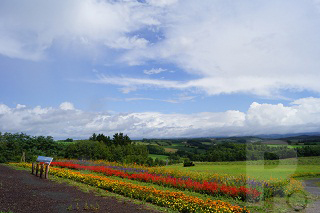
[310,186]
[22,192]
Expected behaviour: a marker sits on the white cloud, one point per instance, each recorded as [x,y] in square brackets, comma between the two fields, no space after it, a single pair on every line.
[181,98]
[265,87]
[271,115]
[162,3]
[241,47]
[178,99]
[302,115]
[128,89]
[29,28]
[127,43]
[20,106]
[132,84]
[66,106]
[260,48]
[154,71]
[4,109]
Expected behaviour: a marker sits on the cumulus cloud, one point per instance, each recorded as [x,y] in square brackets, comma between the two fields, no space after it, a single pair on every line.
[19,106]
[66,106]
[302,115]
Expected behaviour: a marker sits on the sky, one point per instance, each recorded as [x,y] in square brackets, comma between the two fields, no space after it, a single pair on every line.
[159,68]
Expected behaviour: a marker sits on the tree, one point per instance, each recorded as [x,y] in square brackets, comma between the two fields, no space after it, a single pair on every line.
[93,137]
[120,139]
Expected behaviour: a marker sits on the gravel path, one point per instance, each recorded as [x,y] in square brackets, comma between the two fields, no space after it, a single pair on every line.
[310,186]
[21,191]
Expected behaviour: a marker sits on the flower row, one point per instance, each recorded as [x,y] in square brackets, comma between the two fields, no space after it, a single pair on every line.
[211,188]
[270,188]
[174,200]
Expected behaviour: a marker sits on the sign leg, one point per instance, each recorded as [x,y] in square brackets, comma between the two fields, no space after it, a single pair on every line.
[41,170]
[47,172]
[37,169]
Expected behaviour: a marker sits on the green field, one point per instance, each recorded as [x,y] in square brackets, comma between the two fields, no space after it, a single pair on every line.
[278,169]
[289,146]
[66,143]
[170,150]
[161,157]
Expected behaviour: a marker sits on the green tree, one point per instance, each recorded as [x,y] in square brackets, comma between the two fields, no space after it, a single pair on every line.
[120,139]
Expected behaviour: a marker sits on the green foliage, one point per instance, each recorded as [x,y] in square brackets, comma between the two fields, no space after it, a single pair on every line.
[118,139]
[86,150]
[158,150]
[229,151]
[159,162]
[308,151]
[98,147]
[95,150]
[12,146]
[187,163]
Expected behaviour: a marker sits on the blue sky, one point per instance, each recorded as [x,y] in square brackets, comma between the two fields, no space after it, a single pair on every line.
[159,68]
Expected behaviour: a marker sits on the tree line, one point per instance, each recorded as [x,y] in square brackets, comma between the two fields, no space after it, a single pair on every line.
[99,146]
[13,145]
[120,148]
[229,151]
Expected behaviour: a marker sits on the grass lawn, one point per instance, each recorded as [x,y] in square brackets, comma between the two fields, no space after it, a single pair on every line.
[161,157]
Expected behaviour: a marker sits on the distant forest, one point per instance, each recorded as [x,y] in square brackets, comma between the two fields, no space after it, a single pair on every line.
[121,148]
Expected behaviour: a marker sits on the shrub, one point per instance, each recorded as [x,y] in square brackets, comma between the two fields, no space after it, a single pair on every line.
[187,162]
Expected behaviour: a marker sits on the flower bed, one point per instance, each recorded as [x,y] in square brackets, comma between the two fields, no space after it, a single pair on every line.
[174,200]
[211,188]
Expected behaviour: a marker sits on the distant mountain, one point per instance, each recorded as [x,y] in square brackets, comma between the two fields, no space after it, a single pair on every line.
[291,136]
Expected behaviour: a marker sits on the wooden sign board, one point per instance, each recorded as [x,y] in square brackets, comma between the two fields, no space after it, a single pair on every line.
[43,159]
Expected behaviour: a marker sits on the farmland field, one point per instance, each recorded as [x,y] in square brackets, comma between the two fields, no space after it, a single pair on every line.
[257,169]
[170,150]
[289,146]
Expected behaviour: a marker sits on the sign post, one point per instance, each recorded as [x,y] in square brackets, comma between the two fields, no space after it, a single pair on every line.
[42,163]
